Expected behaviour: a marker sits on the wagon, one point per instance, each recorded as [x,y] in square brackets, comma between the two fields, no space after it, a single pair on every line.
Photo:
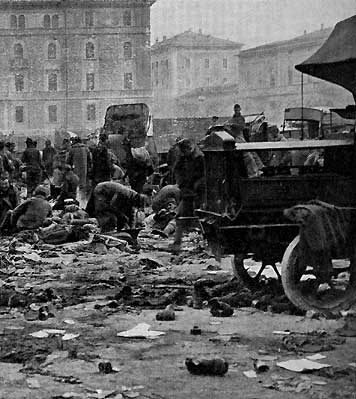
[244,217]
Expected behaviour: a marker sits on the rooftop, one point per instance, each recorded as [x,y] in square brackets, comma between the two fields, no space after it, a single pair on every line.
[318,35]
[192,39]
[126,3]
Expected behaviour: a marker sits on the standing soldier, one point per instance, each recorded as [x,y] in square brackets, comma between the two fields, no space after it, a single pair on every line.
[189,173]
[31,158]
[102,166]
[79,157]
[48,154]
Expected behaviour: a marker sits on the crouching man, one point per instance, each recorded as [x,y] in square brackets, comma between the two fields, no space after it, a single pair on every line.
[29,215]
[113,205]
[164,206]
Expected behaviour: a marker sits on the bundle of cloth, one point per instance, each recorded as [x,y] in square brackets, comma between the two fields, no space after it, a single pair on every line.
[323,227]
[326,231]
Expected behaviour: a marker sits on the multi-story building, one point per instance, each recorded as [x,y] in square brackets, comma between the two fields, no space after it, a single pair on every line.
[63,62]
[269,81]
[189,61]
[265,80]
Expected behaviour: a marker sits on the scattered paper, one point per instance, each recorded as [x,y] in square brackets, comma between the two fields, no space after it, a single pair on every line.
[69,321]
[317,356]
[300,365]
[140,331]
[33,256]
[46,333]
[40,334]
[67,337]
[33,383]
[286,332]
[250,374]
[53,331]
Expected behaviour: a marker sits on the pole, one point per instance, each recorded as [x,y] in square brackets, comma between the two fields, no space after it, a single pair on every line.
[302,93]
[65,67]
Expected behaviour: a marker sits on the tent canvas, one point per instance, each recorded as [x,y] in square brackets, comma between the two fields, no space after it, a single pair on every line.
[335,61]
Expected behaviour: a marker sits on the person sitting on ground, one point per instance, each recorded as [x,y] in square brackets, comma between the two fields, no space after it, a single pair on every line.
[164,206]
[31,214]
[69,187]
[9,197]
[113,204]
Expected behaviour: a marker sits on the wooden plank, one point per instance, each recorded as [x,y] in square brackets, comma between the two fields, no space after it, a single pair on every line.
[293,145]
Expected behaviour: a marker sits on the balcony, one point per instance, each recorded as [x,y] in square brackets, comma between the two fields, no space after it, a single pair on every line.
[19,64]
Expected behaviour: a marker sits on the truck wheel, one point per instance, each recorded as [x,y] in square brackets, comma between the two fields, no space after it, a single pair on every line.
[301,285]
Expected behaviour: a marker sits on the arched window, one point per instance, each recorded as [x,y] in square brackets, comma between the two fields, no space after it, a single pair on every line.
[90,50]
[18,50]
[13,21]
[47,21]
[52,51]
[55,21]
[52,82]
[127,50]
[22,22]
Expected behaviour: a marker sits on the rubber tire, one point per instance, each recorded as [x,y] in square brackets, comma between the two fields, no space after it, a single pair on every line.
[302,302]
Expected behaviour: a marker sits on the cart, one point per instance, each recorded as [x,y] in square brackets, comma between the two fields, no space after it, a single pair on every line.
[244,217]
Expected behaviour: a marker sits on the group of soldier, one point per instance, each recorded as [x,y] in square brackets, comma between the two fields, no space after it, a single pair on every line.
[91,176]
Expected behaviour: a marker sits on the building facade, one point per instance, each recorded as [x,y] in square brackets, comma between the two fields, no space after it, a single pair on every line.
[270,83]
[63,62]
[189,61]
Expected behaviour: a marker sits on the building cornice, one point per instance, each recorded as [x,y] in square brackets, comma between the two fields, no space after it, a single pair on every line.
[33,4]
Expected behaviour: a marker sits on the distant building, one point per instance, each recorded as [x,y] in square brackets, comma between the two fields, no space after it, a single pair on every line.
[63,62]
[269,81]
[187,62]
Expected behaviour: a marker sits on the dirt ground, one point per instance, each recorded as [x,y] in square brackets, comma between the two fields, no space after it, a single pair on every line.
[82,288]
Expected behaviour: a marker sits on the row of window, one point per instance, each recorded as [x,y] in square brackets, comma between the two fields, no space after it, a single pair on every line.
[206,63]
[53,82]
[53,113]
[89,50]
[52,21]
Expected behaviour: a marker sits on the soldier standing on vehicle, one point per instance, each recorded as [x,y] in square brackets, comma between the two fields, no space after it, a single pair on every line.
[237,123]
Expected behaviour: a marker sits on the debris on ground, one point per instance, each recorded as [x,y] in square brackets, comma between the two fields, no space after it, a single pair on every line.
[315,341]
[167,314]
[207,366]
[142,330]
[301,365]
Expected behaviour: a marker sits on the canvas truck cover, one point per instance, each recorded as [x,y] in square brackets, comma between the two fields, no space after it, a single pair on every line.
[128,120]
[335,61]
[307,114]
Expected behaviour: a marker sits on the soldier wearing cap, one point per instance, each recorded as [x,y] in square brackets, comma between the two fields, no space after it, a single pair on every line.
[31,158]
[113,204]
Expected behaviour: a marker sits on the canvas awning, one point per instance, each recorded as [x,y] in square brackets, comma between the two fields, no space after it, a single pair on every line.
[335,61]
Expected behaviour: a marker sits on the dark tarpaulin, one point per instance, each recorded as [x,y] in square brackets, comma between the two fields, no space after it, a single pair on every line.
[335,61]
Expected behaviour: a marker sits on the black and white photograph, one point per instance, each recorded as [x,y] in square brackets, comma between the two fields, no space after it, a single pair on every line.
[177,199]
